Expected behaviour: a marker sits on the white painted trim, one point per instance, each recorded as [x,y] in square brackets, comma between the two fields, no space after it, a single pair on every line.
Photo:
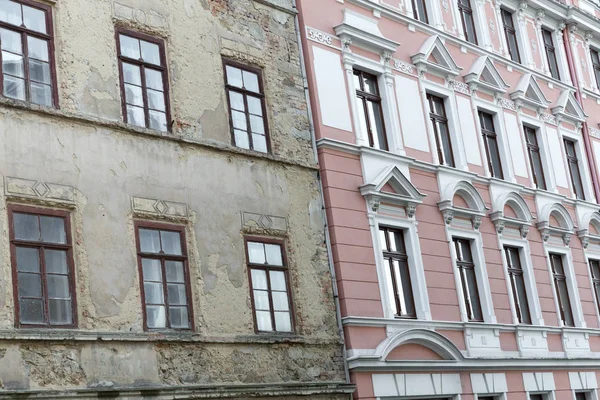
[415,264]
[533,300]
[500,127]
[483,285]
[572,287]
[458,149]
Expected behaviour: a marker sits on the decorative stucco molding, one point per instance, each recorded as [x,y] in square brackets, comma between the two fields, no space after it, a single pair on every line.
[159,207]
[264,221]
[19,187]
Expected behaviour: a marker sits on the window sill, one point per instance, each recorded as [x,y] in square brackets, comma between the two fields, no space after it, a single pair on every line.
[73,335]
[131,129]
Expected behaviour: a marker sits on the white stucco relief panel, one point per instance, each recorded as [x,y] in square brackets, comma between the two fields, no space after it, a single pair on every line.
[556,157]
[412,118]
[388,385]
[596,146]
[515,144]
[331,89]
[469,131]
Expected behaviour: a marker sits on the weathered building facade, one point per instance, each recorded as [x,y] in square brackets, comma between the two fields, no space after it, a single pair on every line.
[459,147]
[162,228]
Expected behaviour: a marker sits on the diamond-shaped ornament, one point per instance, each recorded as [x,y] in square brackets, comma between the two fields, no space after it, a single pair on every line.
[265,221]
[41,189]
[160,206]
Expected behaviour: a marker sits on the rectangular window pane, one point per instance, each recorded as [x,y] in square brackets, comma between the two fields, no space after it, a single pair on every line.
[171,242]
[376,122]
[149,241]
[37,48]
[495,158]
[261,300]
[157,120]
[53,229]
[150,52]
[58,286]
[60,312]
[151,270]
[471,280]
[523,304]
[156,317]
[31,311]
[14,87]
[259,279]
[41,94]
[283,322]
[419,10]
[179,317]
[12,64]
[34,19]
[176,294]
[263,321]
[28,259]
[30,285]
[10,12]
[174,271]
[154,293]
[256,253]
[26,227]
[565,303]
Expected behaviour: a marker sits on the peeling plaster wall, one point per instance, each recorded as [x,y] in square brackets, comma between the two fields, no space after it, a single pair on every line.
[90,163]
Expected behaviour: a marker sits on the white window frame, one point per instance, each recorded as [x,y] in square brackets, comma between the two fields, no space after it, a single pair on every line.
[540,127]
[586,179]
[434,13]
[572,287]
[535,309]
[500,126]
[483,283]
[548,394]
[593,393]
[415,264]
[451,107]
[389,105]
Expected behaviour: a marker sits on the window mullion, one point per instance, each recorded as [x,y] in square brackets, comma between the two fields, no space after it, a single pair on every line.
[44,282]
[165,292]
[270,297]
[248,128]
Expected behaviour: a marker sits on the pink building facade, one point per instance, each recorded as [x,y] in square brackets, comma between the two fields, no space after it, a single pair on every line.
[459,147]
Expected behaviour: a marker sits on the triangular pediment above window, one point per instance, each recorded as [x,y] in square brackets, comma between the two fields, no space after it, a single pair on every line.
[392,187]
[364,32]
[529,93]
[484,74]
[434,57]
[567,107]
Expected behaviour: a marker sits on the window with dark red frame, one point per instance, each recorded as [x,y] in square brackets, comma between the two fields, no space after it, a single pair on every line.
[42,264]
[269,286]
[397,272]
[370,114]
[247,111]
[439,120]
[27,41]
[468,279]
[164,273]
[144,83]
[466,14]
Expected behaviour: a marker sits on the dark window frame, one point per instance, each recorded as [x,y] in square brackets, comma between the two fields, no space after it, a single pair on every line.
[416,11]
[595,278]
[550,51]
[441,120]
[181,229]
[464,9]
[163,68]
[533,150]
[68,247]
[516,273]
[510,31]
[574,169]
[595,55]
[491,135]
[463,265]
[49,37]
[558,277]
[365,97]
[267,267]
[388,257]
[245,93]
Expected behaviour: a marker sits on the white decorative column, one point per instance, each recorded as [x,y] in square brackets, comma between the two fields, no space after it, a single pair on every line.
[525,48]
[500,28]
[561,53]
[394,136]
[539,16]
[481,26]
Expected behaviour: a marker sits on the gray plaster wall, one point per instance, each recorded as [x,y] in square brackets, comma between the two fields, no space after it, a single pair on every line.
[83,159]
